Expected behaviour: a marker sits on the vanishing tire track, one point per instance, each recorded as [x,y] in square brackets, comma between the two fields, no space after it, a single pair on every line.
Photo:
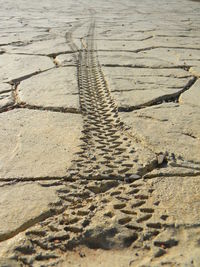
[106,152]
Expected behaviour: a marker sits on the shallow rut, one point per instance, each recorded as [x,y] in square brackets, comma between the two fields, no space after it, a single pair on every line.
[106,152]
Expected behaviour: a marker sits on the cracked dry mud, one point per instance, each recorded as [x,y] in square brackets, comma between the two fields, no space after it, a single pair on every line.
[99,115]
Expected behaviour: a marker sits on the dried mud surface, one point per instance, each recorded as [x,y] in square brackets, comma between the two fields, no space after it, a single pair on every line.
[99,115]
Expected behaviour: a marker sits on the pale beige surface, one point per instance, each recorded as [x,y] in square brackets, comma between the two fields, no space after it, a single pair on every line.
[168,127]
[54,88]
[37,143]
[4,87]
[22,205]
[195,71]
[149,54]
[42,47]
[15,66]
[192,96]
[179,197]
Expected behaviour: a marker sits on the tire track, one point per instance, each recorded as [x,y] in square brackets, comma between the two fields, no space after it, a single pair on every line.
[106,151]
[98,214]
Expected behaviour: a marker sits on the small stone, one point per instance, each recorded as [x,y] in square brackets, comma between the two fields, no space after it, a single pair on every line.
[161,158]
[82,254]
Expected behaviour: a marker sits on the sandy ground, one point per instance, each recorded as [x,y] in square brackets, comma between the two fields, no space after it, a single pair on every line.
[99,133]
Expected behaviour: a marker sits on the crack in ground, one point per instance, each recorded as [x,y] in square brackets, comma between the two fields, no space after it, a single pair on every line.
[144,89]
[151,118]
[181,35]
[17,42]
[190,135]
[140,66]
[41,108]
[174,174]
[52,55]
[25,77]
[169,47]
[6,91]
[121,39]
[53,109]
[60,53]
[47,182]
[148,48]
[35,179]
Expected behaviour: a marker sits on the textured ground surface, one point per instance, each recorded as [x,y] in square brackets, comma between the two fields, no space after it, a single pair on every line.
[100,133]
